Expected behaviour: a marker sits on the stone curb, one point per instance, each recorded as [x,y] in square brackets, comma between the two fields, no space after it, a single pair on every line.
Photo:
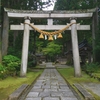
[22,97]
[18,92]
[21,92]
[84,92]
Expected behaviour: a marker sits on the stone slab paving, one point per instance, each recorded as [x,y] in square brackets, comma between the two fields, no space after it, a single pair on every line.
[50,86]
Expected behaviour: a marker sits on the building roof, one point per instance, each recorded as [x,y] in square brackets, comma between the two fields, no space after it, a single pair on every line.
[83,46]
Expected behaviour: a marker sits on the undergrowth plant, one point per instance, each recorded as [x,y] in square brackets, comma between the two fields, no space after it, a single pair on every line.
[2,71]
[12,64]
[91,67]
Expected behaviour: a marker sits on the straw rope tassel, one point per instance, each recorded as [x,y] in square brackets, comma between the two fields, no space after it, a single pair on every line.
[41,36]
[50,38]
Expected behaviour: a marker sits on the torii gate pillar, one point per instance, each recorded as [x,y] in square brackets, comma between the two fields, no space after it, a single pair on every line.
[76,60]
[25,48]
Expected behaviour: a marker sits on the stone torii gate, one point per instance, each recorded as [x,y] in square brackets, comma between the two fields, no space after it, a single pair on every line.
[49,15]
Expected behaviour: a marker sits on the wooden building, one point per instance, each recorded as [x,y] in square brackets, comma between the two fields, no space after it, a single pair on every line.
[85,53]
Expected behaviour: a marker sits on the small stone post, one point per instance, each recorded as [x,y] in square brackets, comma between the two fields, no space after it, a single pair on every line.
[75,49]
[25,48]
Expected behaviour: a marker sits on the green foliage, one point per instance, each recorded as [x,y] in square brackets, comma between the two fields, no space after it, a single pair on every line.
[12,63]
[2,71]
[32,61]
[40,45]
[14,51]
[52,49]
[15,45]
[91,67]
[72,5]
[9,59]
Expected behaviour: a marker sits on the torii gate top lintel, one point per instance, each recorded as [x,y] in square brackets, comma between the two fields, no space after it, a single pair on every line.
[52,14]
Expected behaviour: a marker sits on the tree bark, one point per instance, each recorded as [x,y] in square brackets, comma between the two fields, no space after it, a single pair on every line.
[5,34]
[14,37]
[0,47]
[95,23]
[93,35]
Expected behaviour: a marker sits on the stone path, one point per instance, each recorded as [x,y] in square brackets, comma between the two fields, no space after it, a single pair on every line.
[50,86]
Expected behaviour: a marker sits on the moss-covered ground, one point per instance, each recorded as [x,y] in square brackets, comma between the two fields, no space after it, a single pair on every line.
[8,85]
[68,74]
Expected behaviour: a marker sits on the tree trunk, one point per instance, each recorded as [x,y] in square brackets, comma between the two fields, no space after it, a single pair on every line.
[14,37]
[34,50]
[0,47]
[93,35]
[95,23]
[5,34]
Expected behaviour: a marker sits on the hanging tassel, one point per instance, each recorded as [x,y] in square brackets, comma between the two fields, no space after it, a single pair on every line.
[45,37]
[50,38]
[41,36]
[55,37]
[60,35]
